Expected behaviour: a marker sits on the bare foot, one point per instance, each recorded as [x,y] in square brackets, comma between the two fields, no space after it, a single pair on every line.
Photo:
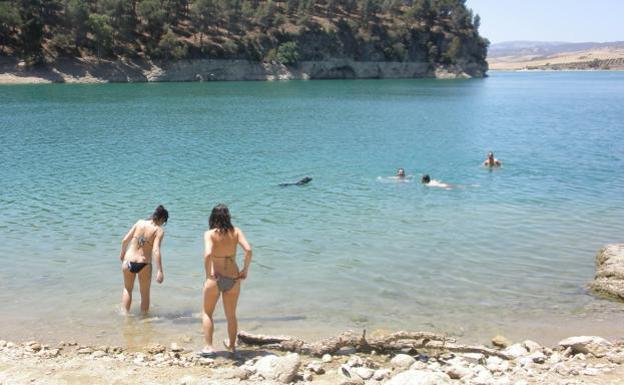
[207,351]
[228,347]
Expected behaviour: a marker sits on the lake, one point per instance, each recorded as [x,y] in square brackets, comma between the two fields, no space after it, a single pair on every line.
[504,251]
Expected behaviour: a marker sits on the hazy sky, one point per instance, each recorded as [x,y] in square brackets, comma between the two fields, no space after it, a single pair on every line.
[550,20]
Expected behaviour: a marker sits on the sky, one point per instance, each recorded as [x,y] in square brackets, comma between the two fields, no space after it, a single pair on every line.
[550,20]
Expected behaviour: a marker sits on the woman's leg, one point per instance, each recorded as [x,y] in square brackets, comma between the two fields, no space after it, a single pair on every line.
[145,282]
[230,301]
[211,296]
[126,294]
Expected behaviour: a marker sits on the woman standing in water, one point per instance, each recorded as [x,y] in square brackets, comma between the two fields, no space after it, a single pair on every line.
[137,248]
[222,274]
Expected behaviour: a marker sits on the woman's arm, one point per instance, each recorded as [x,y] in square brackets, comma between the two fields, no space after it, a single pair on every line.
[160,234]
[242,241]
[125,240]
[208,255]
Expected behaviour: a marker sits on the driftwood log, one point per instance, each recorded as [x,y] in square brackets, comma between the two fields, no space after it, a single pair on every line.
[395,342]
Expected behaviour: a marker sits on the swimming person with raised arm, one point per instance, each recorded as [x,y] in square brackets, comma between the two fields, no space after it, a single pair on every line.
[138,247]
[491,161]
[222,274]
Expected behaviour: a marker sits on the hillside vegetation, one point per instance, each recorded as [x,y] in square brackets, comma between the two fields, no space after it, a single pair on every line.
[435,31]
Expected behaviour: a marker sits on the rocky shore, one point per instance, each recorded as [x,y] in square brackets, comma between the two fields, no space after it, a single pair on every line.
[83,70]
[575,360]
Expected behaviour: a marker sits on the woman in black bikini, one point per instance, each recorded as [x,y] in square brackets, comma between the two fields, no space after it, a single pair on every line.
[222,274]
[137,248]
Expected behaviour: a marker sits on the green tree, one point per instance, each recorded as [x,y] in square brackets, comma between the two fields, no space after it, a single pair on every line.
[169,47]
[453,51]
[31,30]
[77,16]
[153,15]
[287,53]
[204,12]
[102,32]
[10,20]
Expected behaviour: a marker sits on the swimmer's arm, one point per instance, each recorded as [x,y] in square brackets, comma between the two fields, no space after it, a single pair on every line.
[126,239]
[157,256]
[208,255]
[242,241]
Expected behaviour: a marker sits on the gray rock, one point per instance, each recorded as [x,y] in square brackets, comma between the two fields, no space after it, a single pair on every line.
[315,367]
[500,341]
[155,348]
[420,377]
[597,346]
[354,361]
[363,373]
[307,376]
[282,369]
[515,351]
[609,278]
[474,358]
[532,346]
[402,361]
[382,374]
[346,351]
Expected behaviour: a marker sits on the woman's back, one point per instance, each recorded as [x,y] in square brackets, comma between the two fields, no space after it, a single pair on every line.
[142,241]
[224,242]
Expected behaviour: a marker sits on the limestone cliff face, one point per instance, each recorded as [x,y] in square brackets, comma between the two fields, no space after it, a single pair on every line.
[85,71]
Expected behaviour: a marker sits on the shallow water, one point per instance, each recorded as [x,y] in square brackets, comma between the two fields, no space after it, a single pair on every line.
[507,251]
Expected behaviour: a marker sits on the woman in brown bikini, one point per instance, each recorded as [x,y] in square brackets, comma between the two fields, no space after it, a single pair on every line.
[138,247]
[222,274]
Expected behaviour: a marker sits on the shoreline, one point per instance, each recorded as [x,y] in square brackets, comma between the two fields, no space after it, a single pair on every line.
[86,71]
[575,360]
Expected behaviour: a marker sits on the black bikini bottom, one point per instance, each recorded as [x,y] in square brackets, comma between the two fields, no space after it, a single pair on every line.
[135,267]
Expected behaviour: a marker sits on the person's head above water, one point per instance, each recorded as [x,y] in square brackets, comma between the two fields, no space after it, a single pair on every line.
[491,156]
[401,173]
[160,215]
[305,180]
[220,219]
[425,179]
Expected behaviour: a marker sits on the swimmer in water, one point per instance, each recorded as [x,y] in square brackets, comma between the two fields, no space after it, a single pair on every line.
[491,161]
[301,182]
[400,173]
[426,180]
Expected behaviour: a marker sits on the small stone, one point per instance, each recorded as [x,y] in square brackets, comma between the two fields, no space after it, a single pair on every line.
[457,372]
[419,365]
[175,347]
[597,346]
[500,342]
[98,353]
[354,361]
[307,376]
[419,377]
[363,373]
[10,345]
[353,381]
[327,358]
[315,367]
[474,358]
[3,343]
[155,348]
[85,350]
[537,357]
[532,346]
[484,377]
[554,358]
[205,361]
[346,351]
[590,372]
[282,369]
[53,352]
[187,339]
[402,361]
[382,374]
[616,358]
[515,351]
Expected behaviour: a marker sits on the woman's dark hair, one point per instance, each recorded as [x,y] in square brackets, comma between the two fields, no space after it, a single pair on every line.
[426,178]
[220,219]
[160,214]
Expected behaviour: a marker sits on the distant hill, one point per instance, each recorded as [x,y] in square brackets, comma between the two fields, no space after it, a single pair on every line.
[544,48]
[534,55]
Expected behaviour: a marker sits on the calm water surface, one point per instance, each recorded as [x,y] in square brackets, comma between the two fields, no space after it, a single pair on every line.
[507,251]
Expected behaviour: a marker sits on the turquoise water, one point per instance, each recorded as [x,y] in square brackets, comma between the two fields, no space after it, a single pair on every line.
[505,251]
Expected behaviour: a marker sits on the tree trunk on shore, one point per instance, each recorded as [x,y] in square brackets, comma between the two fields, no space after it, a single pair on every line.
[394,342]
